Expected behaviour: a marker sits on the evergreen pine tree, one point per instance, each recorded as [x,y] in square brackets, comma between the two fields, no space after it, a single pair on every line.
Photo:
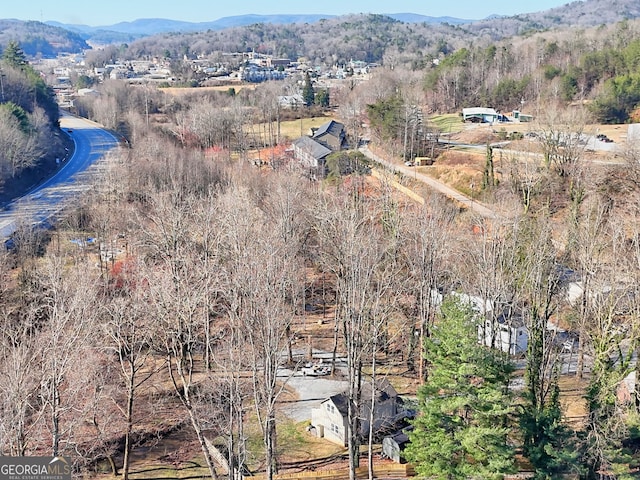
[323,98]
[488,178]
[308,95]
[548,442]
[462,428]
[13,55]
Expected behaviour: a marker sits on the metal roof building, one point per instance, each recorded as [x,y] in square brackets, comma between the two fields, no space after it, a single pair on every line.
[481,114]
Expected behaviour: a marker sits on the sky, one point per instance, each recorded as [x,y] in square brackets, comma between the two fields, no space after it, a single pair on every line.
[108,12]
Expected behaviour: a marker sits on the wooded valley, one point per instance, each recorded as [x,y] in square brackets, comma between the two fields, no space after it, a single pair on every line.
[169,299]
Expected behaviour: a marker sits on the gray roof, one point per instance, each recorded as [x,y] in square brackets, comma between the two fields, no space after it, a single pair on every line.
[384,391]
[473,111]
[341,402]
[317,150]
[331,127]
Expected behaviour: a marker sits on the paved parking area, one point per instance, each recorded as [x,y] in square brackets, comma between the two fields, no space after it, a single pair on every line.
[311,391]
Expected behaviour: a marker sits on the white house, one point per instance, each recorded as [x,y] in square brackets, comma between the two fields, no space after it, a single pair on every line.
[508,333]
[291,101]
[330,418]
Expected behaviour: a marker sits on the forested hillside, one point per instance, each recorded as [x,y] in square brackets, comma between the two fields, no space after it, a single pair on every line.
[349,37]
[39,39]
[598,65]
[29,131]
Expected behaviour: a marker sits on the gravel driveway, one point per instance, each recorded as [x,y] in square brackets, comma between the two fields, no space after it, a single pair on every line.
[311,391]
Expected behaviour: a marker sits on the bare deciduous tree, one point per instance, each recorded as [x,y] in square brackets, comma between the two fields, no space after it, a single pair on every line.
[562,136]
[19,372]
[354,252]
[611,334]
[263,278]
[69,307]
[19,385]
[19,149]
[129,333]
[425,244]
[178,294]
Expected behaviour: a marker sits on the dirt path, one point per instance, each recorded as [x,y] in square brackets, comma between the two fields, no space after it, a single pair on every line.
[469,203]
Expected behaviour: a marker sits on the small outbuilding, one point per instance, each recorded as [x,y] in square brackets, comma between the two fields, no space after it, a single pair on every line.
[393,446]
[521,117]
[508,333]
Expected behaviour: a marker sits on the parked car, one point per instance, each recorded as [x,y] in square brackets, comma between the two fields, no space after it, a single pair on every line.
[315,370]
[603,138]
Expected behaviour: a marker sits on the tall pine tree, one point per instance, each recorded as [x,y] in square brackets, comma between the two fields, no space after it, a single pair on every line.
[462,428]
[308,95]
[13,55]
[547,441]
[14,58]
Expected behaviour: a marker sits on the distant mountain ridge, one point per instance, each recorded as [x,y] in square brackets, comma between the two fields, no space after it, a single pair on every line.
[50,38]
[416,18]
[576,13]
[153,26]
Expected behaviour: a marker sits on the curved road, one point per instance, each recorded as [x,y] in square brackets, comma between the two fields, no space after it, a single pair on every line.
[72,178]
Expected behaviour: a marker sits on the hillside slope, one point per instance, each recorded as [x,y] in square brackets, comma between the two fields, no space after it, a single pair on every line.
[37,38]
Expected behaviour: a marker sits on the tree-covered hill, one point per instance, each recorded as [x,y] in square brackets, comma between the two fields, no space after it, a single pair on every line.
[370,37]
[582,14]
[143,27]
[352,37]
[29,132]
[40,39]
[363,37]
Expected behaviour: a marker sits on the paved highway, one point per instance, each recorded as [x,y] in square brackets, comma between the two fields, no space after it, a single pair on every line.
[72,178]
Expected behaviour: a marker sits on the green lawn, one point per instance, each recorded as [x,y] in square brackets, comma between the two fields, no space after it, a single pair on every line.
[293,129]
[448,123]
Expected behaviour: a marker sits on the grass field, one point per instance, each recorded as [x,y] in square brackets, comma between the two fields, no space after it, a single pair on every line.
[293,129]
[448,123]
